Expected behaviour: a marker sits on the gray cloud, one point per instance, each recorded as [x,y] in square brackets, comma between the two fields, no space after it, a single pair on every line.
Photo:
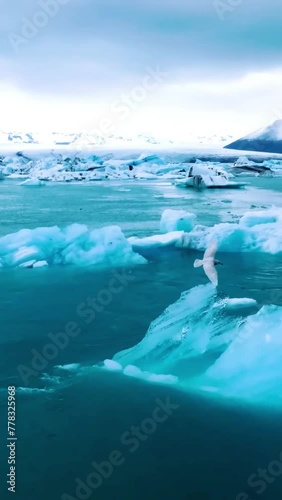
[94,47]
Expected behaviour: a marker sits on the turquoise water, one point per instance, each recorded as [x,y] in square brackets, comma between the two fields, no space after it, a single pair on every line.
[208,447]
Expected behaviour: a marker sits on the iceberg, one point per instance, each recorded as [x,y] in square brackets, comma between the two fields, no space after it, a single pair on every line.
[199,345]
[256,231]
[74,245]
[188,328]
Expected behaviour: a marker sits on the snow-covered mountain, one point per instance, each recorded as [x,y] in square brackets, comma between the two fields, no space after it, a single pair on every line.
[268,140]
[83,140]
[17,138]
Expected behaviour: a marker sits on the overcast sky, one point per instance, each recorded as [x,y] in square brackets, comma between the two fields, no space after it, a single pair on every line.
[219,66]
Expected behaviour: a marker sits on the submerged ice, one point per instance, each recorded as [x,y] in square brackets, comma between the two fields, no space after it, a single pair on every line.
[207,348]
[188,328]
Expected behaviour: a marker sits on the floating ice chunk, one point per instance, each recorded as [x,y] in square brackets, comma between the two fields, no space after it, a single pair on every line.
[187,329]
[135,372]
[111,365]
[74,245]
[33,182]
[255,232]
[233,304]
[34,390]
[244,161]
[41,263]
[177,220]
[70,368]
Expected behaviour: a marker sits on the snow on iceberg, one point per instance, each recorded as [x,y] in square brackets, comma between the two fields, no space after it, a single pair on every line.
[156,241]
[177,220]
[72,245]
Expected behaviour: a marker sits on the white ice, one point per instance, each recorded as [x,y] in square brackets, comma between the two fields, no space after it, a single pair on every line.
[234,304]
